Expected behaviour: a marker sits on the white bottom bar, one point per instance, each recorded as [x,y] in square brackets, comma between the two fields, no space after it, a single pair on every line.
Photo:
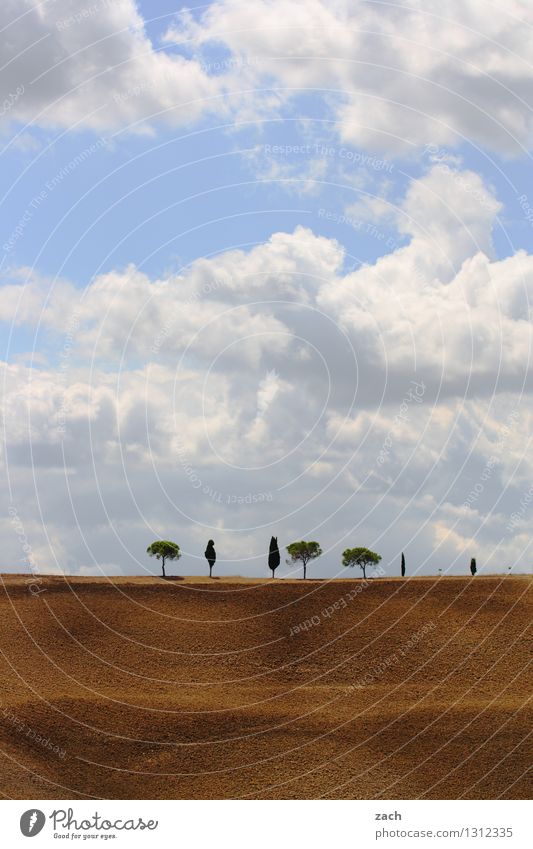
[264,825]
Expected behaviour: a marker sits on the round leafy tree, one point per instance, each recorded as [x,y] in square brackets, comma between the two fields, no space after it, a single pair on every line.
[302,552]
[361,557]
[163,550]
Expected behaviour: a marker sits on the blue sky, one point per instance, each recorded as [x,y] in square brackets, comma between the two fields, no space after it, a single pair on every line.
[238,238]
[158,186]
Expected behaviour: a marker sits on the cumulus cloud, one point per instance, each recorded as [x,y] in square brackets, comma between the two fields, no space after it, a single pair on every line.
[97,471]
[397,76]
[257,386]
[441,306]
[72,63]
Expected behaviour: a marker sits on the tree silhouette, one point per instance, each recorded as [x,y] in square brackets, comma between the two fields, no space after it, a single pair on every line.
[274,557]
[211,556]
[473,566]
[361,557]
[302,552]
[163,550]
[403,565]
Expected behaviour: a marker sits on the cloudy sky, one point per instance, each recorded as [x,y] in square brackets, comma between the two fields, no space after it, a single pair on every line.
[266,268]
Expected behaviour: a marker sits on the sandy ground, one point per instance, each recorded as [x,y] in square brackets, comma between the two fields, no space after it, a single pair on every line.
[230,688]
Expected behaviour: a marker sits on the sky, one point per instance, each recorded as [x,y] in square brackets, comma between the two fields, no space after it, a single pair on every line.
[266,269]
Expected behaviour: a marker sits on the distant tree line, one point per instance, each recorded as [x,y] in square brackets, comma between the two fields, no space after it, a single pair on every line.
[300,553]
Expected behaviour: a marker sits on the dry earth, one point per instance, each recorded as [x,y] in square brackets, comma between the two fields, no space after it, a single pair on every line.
[190,688]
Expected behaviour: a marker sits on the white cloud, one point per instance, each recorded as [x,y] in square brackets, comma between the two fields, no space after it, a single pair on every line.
[273,376]
[397,75]
[72,63]
[439,306]
[394,76]
[134,463]
[302,178]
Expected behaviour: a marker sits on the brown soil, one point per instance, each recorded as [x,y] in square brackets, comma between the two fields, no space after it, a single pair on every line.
[189,688]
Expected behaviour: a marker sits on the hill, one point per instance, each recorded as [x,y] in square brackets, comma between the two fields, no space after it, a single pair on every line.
[190,688]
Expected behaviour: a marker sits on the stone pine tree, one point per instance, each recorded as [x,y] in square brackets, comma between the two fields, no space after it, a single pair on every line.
[361,557]
[164,550]
[274,557]
[403,565]
[473,566]
[302,552]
